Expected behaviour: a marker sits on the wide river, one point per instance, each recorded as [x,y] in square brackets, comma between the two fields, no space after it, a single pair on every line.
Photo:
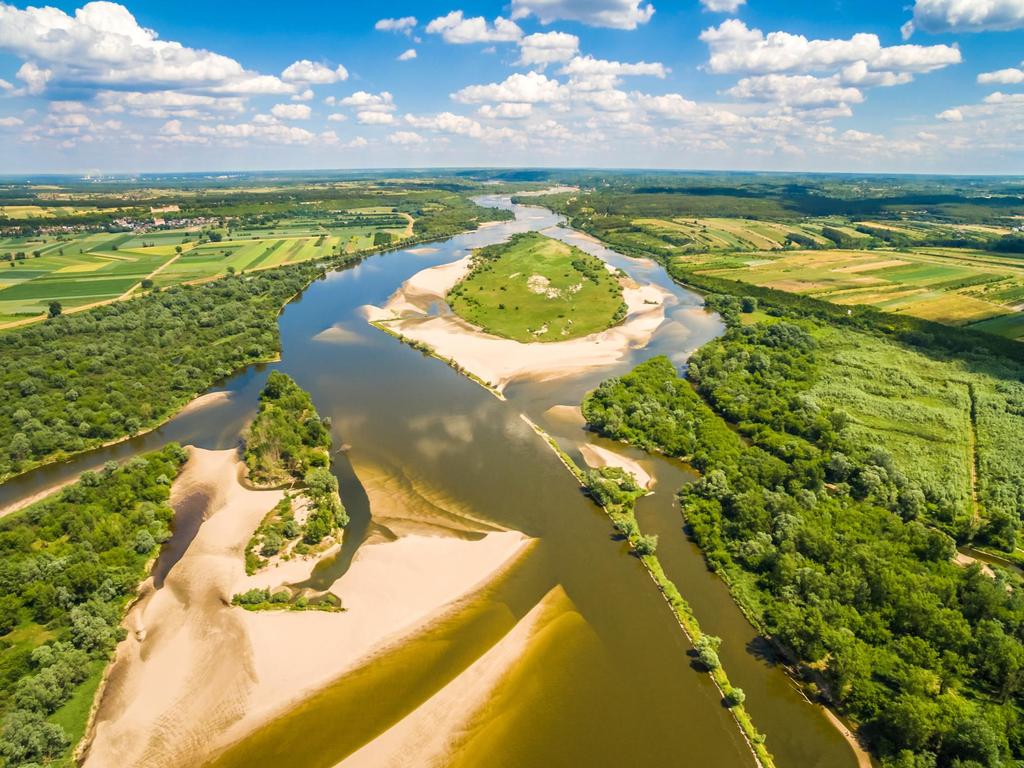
[613,686]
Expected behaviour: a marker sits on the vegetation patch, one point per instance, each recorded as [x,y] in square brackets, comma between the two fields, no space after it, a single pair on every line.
[534,288]
[288,443]
[69,566]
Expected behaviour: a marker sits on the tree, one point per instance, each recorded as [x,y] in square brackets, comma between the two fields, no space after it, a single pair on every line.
[707,651]
[734,697]
[646,544]
[28,737]
[55,309]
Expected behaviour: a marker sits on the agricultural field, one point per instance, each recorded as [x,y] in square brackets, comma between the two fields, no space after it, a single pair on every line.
[953,286]
[83,270]
[533,288]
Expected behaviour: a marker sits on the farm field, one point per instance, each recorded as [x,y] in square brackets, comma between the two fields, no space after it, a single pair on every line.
[533,288]
[957,287]
[82,270]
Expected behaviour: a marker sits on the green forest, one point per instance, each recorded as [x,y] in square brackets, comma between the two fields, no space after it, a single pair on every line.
[834,550]
[69,565]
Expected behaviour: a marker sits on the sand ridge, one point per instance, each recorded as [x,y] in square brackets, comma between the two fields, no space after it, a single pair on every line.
[499,361]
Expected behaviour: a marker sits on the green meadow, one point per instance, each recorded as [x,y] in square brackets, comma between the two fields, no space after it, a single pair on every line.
[533,288]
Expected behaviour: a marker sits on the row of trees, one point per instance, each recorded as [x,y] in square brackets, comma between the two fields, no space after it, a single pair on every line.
[68,567]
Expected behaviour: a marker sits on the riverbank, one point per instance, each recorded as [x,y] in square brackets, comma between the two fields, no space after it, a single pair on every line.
[195,673]
[496,361]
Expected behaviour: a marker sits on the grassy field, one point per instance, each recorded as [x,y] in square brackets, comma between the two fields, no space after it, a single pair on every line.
[82,270]
[533,288]
[948,285]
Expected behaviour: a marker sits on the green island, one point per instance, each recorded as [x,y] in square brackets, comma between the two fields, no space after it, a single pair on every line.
[70,566]
[534,288]
[289,444]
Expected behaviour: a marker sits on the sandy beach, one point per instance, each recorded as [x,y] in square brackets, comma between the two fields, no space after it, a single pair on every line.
[498,361]
[195,673]
[597,457]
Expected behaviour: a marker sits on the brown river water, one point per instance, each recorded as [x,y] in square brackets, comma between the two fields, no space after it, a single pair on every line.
[612,682]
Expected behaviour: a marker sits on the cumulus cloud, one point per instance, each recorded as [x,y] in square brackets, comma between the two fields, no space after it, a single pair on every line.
[952,115]
[273,133]
[313,73]
[543,48]
[1010,76]
[796,90]
[587,66]
[10,122]
[368,102]
[734,47]
[291,111]
[456,28]
[405,25]
[166,104]
[405,138]
[529,88]
[103,44]
[618,14]
[722,6]
[370,117]
[965,16]
[407,55]
[506,111]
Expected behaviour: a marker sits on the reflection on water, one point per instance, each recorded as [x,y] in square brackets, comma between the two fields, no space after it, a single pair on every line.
[612,685]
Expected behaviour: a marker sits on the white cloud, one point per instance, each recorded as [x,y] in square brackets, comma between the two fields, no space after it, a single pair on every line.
[374,118]
[369,102]
[618,14]
[1011,76]
[407,55]
[736,48]
[796,90]
[967,15]
[291,111]
[274,133]
[547,48]
[306,95]
[5,86]
[164,104]
[34,77]
[405,138]
[337,117]
[313,73]
[953,115]
[404,24]
[530,88]
[722,6]
[103,44]
[506,111]
[448,123]
[455,28]
[10,122]
[585,67]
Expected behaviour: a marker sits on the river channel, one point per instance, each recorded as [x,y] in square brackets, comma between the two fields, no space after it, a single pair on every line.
[612,683]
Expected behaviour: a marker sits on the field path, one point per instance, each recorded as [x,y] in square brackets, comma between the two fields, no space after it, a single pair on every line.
[150,276]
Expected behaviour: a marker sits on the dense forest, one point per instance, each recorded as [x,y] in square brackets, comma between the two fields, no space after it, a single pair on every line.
[68,567]
[288,443]
[831,550]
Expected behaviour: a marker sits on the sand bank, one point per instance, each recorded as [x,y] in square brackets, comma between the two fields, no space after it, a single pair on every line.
[499,361]
[204,401]
[597,457]
[430,733]
[423,251]
[196,673]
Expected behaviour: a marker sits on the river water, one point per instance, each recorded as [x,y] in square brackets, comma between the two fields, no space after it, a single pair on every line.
[613,683]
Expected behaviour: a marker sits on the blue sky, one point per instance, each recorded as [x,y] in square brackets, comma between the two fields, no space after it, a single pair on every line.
[930,86]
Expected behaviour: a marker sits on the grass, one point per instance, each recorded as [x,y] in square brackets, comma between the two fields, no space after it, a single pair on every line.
[533,288]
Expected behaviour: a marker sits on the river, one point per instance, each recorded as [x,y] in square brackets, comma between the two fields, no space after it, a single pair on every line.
[614,684]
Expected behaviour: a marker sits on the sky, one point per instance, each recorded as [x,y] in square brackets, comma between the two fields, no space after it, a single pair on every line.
[929,86]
